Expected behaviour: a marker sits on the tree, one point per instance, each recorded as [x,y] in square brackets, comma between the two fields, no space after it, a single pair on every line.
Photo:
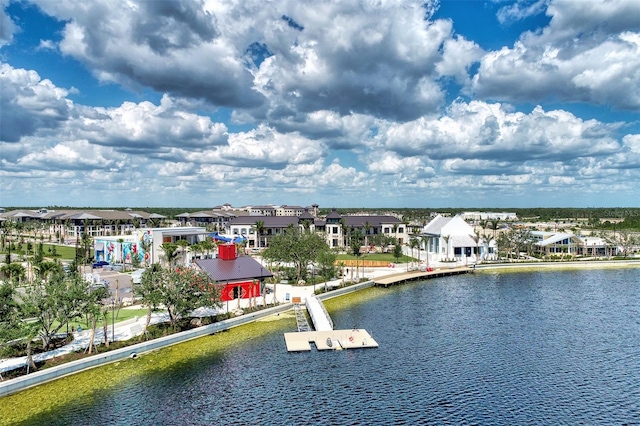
[326,264]
[170,251]
[183,290]
[296,246]
[414,243]
[94,310]
[15,272]
[476,239]
[259,226]
[9,313]
[46,268]
[495,224]
[623,239]
[184,249]
[367,228]
[51,304]
[446,239]
[397,251]
[145,245]
[150,289]
[355,241]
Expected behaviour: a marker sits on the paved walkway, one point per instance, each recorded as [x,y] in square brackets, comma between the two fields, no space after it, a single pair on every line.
[280,293]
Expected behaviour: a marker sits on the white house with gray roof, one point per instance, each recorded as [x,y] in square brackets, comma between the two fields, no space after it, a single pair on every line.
[453,239]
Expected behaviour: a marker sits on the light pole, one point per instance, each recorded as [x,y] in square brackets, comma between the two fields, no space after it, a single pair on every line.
[113,309]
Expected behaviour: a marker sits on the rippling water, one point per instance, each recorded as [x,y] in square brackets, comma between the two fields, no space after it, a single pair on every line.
[528,348]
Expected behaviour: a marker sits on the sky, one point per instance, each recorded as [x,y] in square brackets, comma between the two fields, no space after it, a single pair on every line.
[371,103]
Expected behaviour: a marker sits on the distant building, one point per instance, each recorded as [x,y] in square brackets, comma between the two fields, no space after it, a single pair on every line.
[476,216]
[334,227]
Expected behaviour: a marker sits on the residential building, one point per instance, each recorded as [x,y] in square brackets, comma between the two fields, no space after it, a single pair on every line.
[334,227]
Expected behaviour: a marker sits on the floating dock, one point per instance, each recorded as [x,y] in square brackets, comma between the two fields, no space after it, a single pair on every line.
[326,340]
[419,275]
[324,337]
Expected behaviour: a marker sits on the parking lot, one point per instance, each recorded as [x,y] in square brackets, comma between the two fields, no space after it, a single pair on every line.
[119,283]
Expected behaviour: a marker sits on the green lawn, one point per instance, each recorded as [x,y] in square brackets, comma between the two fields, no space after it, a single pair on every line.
[62,252]
[383,257]
[119,316]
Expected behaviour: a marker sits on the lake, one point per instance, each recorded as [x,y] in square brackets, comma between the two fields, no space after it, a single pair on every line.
[552,347]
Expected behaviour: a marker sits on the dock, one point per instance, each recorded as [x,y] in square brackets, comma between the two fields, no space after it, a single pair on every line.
[329,340]
[324,337]
[420,275]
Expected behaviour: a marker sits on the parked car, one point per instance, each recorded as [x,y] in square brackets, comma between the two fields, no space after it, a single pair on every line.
[100,264]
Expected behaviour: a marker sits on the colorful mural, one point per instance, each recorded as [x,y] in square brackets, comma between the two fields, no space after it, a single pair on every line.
[114,251]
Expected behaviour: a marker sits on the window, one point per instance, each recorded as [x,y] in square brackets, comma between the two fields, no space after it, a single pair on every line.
[386,230]
[401,230]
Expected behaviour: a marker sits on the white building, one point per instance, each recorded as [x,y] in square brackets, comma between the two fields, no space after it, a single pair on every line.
[502,216]
[448,239]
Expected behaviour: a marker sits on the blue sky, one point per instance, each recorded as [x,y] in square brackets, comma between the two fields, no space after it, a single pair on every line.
[345,104]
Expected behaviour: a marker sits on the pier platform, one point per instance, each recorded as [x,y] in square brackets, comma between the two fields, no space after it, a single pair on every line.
[418,275]
[329,340]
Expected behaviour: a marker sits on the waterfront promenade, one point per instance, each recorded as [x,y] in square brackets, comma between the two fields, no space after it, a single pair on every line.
[283,294]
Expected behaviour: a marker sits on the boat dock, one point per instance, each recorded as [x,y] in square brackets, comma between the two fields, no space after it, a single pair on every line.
[324,337]
[419,275]
[332,339]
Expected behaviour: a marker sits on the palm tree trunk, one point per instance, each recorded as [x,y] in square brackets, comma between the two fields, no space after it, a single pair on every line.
[30,363]
[93,335]
[146,325]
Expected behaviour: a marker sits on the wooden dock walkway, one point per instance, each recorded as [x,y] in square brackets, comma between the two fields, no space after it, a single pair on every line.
[419,275]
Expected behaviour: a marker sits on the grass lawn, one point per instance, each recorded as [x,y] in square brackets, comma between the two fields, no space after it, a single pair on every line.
[383,257]
[62,252]
[121,315]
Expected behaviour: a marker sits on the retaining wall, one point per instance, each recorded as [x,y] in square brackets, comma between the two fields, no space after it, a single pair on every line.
[20,383]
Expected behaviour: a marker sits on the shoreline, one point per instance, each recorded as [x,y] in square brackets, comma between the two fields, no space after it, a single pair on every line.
[8,386]
[570,265]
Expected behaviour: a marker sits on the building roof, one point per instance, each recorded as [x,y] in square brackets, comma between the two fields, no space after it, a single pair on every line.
[306,216]
[77,214]
[269,221]
[334,214]
[557,238]
[240,268]
[359,221]
[435,226]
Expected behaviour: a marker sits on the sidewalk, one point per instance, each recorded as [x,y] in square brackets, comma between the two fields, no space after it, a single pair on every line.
[125,330]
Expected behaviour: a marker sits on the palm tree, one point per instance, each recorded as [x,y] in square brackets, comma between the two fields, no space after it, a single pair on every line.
[415,243]
[207,245]
[343,228]
[446,241]
[184,248]
[494,225]
[170,251]
[425,239]
[121,243]
[259,225]
[476,239]
[367,227]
